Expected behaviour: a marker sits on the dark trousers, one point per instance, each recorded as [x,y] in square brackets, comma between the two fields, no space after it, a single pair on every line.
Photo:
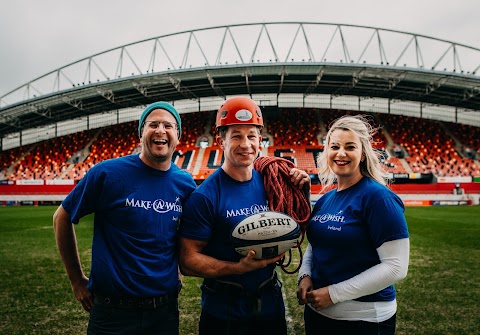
[117,320]
[320,325]
[210,325]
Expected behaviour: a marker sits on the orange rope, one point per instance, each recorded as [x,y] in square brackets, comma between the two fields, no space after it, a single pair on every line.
[283,196]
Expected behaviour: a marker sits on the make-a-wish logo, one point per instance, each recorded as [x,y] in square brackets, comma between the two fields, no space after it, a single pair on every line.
[159,205]
[254,209]
[327,217]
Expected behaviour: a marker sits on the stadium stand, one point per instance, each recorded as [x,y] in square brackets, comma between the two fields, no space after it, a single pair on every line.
[48,159]
[295,134]
[294,127]
[467,139]
[194,126]
[429,146]
[10,158]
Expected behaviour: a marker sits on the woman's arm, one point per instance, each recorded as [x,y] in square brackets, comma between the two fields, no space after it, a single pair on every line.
[394,258]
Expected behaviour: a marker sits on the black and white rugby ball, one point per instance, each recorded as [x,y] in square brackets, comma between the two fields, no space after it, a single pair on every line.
[268,233]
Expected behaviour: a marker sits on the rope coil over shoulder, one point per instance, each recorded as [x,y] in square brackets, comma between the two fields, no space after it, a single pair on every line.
[283,196]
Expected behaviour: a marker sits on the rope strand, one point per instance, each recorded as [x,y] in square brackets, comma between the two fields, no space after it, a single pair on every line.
[283,196]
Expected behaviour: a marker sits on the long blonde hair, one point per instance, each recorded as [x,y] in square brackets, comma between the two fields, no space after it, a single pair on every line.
[370,167]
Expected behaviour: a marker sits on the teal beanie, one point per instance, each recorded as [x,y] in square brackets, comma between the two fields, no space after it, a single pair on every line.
[160,105]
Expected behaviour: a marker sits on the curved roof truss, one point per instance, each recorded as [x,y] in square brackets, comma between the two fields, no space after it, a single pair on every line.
[304,58]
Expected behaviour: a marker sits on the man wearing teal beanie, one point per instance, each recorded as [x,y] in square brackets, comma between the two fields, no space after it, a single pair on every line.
[137,201]
[160,105]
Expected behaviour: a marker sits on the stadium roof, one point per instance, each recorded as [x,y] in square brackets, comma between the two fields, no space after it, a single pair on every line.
[278,58]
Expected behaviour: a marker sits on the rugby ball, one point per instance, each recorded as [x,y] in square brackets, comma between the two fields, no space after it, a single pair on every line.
[268,233]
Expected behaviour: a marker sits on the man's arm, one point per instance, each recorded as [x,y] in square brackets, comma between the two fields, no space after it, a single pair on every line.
[194,263]
[67,246]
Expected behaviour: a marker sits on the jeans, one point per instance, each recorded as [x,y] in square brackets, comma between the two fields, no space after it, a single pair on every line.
[115,320]
[210,325]
[320,325]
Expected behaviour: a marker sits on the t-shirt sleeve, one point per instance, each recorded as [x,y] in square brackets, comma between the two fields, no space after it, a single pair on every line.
[85,197]
[386,220]
[198,218]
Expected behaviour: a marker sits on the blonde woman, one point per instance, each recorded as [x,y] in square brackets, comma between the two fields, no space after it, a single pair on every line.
[358,239]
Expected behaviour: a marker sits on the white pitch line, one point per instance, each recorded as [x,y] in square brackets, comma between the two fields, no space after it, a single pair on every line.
[288,318]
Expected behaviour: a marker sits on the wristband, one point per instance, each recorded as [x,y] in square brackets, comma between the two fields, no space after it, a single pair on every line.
[301,277]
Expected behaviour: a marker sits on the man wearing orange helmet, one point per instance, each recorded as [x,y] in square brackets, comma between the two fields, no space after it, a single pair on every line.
[240,295]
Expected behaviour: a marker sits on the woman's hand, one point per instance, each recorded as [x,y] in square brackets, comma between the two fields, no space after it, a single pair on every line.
[319,299]
[304,286]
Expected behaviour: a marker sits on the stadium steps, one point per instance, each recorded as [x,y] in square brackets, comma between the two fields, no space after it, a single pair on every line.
[405,165]
[458,144]
[198,163]
[323,129]
[84,154]
[201,151]
[386,133]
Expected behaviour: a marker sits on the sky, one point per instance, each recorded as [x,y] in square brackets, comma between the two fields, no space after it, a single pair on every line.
[37,37]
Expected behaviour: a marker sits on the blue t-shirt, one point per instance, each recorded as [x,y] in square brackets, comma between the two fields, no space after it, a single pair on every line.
[210,214]
[347,227]
[137,209]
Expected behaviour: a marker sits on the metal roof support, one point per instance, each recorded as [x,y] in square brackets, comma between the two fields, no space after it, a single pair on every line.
[252,58]
[432,86]
[471,93]
[107,94]
[104,79]
[392,82]
[215,87]
[73,102]
[314,83]
[246,74]
[46,113]
[143,89]
[282,74]
[182,89]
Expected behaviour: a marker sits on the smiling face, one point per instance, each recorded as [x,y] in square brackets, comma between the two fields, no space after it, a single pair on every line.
[344,154]
[241,145]
[158,143]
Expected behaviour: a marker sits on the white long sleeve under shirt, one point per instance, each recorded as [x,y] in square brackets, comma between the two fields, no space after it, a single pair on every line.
[393,267]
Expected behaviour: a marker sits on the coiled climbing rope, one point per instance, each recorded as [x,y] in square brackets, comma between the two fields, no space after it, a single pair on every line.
[283,196]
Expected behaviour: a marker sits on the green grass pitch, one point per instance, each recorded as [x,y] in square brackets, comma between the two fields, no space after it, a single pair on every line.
[439,296]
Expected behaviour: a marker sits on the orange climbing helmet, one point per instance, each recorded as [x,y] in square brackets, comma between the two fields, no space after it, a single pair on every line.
[239,110]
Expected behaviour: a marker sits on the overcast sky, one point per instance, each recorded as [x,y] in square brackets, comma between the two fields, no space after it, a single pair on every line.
[37,37]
